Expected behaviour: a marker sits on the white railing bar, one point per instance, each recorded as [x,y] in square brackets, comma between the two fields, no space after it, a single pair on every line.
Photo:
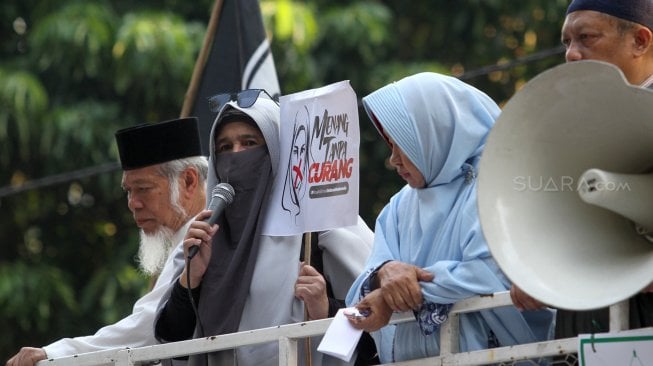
[449,331]
[97,358]
[287,336]
[501,354]
[207,344]
[288,354]
[449,339]
[215,343]
[123,357]
[228,341]
[482,302]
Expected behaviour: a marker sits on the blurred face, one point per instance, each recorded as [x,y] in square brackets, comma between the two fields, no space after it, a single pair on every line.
[405,168]
[148,198]
[238,136]
[590,35]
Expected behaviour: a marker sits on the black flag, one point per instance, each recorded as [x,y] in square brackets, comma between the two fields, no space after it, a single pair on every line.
[239,57]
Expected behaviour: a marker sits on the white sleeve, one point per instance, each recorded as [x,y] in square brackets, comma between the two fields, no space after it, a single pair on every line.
[135,330]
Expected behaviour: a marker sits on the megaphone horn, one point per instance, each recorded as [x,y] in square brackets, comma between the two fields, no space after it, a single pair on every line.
[570,248]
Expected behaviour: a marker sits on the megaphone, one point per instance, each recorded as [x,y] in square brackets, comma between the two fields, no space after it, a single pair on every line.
[564,193]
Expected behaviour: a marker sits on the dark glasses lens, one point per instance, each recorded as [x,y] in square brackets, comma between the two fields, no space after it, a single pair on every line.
[247,98]
[217,101]
[244,99]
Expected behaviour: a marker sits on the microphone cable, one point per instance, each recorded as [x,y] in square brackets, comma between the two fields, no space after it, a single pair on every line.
[194,305]
[192,300]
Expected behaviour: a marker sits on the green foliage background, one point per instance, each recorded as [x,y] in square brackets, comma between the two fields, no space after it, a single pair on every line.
[72,72]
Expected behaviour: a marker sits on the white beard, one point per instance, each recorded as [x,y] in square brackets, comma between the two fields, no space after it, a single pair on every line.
[154,250]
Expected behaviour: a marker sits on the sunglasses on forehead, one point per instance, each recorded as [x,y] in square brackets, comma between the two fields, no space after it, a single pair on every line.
[244,99]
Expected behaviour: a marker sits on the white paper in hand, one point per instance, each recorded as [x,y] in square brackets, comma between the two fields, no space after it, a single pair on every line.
[341,338]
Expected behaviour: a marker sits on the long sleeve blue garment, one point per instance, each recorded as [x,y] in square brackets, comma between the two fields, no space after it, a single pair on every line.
[441,124]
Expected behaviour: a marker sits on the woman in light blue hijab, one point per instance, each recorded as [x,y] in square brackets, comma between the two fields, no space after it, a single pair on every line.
[429,251]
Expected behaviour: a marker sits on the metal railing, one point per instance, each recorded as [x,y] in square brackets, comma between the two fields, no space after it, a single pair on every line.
[289,335]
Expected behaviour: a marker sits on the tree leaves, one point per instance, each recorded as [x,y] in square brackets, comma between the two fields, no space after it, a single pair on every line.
[23,99]
[75,39]
[154,56]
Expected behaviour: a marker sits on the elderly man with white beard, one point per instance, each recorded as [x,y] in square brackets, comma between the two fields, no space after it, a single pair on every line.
[164,176]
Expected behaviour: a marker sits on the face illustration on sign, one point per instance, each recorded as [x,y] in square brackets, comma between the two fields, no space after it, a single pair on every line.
[315,184]
[298,157]
[297,171]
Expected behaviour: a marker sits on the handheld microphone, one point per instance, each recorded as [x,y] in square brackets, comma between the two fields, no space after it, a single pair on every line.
[221,197]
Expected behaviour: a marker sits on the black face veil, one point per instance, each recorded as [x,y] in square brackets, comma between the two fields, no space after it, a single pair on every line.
[236,244]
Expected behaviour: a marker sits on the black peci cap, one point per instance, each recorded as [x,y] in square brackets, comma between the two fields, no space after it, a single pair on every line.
[155,143]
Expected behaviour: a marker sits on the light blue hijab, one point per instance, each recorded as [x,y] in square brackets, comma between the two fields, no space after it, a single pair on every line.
[441,124]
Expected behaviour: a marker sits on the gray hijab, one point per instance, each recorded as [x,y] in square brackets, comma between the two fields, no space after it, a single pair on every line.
[266,114]
[226,283]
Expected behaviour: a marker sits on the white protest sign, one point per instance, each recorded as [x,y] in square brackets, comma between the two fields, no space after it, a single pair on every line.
[634,348]
[316,187]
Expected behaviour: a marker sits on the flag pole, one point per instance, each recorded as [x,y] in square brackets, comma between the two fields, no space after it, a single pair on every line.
[200,63]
